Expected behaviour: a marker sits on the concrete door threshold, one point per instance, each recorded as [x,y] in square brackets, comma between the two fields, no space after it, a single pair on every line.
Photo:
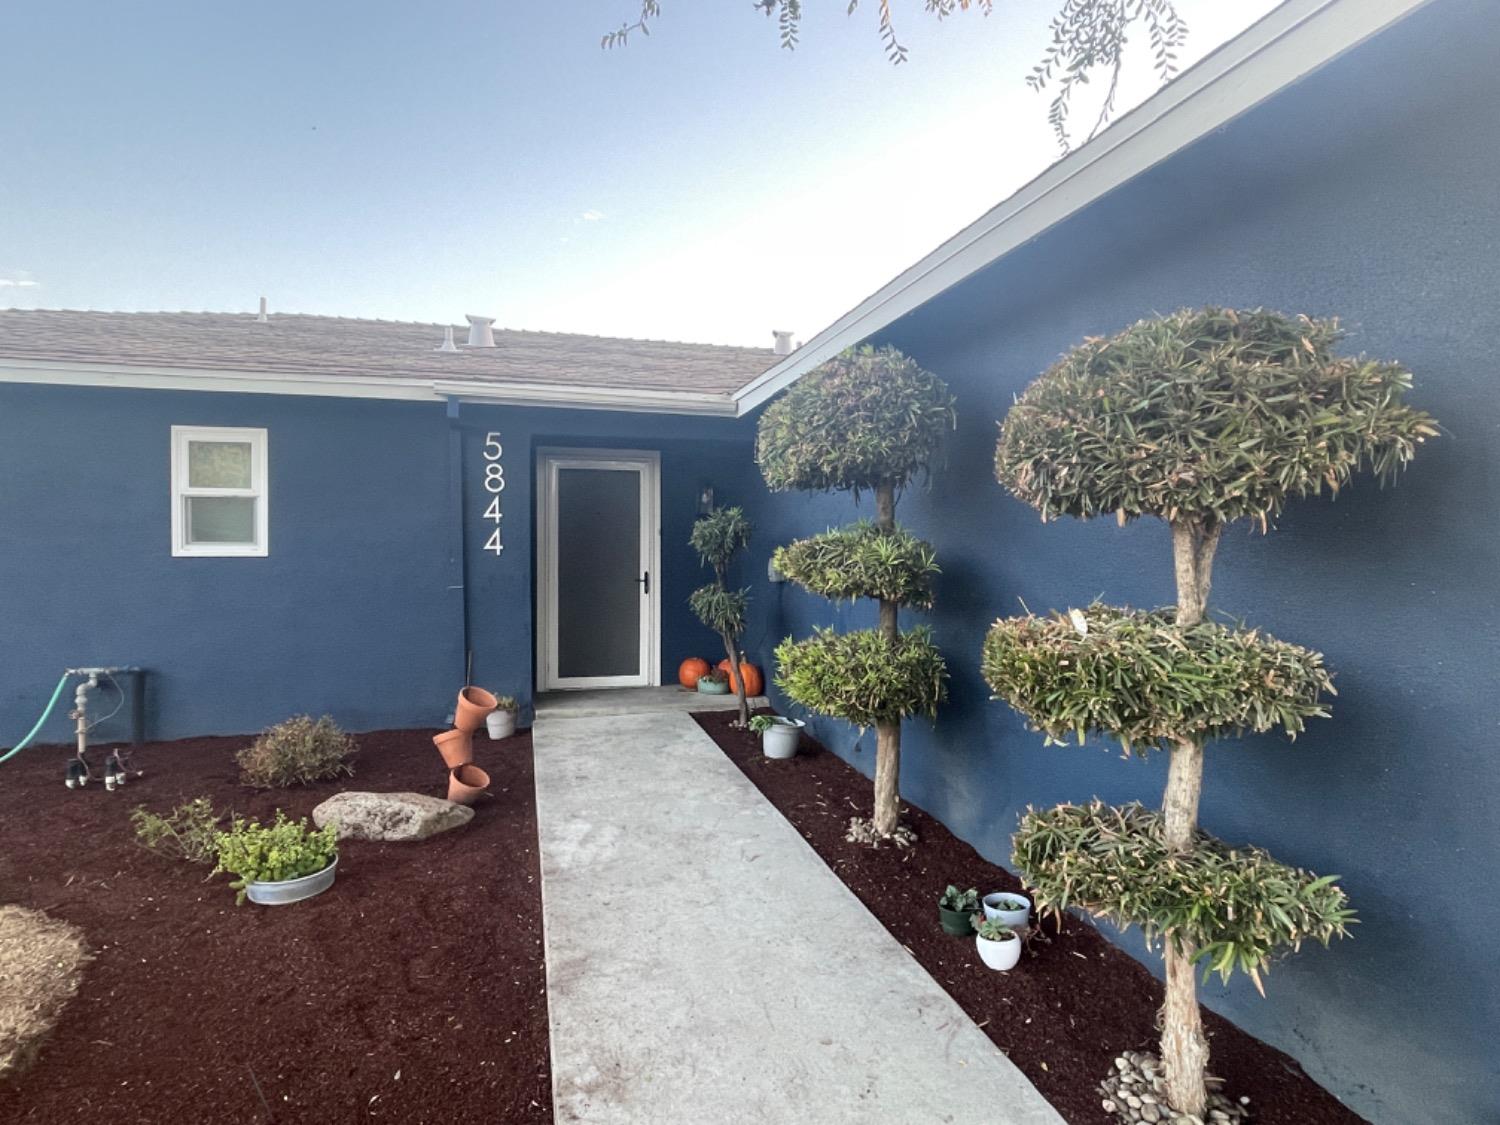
[634,701]
[704,964]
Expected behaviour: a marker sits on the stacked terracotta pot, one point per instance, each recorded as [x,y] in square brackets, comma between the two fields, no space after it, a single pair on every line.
[466,781]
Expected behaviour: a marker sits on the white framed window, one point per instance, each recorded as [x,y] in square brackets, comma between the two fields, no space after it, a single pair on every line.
[219,496]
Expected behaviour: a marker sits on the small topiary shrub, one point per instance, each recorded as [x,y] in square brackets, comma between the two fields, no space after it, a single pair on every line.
[1226,908]
[719,537]
[261,853]
[188,832]
[864,678]
[296,752]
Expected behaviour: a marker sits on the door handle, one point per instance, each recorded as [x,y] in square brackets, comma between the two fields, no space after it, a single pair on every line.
[645,581]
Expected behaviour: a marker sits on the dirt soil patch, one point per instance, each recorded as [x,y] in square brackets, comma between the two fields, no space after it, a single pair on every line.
[414,990]
[1074,1003]
[41,960]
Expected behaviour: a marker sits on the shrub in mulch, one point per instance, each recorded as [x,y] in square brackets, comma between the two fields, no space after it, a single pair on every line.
[41,960]
[412,990]
[1073,1005]
[297,751]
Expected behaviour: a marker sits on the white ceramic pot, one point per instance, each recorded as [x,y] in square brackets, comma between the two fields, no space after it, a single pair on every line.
[1002,955]
[780,741]
[1015,919]
[501,724]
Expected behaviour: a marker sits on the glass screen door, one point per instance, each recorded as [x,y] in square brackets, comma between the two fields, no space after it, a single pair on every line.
[597,563]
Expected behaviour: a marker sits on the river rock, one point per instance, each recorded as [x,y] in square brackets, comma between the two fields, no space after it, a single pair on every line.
[390,816]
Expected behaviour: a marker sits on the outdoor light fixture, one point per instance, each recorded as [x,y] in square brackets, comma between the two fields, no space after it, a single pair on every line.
[706,500]
[772,574]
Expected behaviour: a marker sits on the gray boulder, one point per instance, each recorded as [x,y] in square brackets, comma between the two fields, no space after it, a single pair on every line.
[390,816]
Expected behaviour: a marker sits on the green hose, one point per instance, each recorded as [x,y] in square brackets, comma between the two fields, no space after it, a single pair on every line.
[51,703]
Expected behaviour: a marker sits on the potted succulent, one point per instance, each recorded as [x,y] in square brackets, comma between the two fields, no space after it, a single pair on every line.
[715,683]
[277,863]
[999,946]
[956,910]
[501,722]
[778,735]
[1008,909]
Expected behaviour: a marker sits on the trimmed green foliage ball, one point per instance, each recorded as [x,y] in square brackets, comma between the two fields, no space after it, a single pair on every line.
[863,678]
[1206,413]
[719,536]
[867,417]
[861,561]
[721,610]
[1139,677]
[1234,906]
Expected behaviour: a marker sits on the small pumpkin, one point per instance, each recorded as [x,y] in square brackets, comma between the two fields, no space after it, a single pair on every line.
[754,682]
[691,670]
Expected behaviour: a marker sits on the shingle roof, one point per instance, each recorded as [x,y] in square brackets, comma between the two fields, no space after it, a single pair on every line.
[297,344]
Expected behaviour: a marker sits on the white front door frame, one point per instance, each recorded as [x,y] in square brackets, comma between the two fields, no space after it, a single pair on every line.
[648,464]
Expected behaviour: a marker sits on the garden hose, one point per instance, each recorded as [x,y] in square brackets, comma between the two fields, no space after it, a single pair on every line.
[51,703]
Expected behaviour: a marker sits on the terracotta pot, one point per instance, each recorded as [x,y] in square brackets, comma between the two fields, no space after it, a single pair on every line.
[456,747]
[754,682]
[691,670]
[467,783]
[474,703]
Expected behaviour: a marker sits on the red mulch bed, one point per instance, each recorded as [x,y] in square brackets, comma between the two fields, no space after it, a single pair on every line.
[1074,1003]
[413,990]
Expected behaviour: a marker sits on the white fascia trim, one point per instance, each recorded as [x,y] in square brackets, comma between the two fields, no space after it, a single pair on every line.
[73,374]
[1284,46]
[591,398]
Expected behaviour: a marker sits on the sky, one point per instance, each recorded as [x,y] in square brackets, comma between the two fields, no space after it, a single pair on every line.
[423,159]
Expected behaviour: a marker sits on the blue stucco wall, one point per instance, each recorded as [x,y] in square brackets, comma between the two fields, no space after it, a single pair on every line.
[1369,192]
[356,612]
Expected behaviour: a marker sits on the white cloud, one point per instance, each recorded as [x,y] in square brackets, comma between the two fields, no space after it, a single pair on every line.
[18,283]
[591,216]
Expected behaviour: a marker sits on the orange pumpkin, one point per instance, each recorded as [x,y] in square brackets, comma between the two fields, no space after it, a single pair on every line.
[754,682]
[691,670]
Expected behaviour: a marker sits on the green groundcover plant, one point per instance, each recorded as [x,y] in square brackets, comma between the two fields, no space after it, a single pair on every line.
[1199,418]
[189,832]
[868,420]
[272,853]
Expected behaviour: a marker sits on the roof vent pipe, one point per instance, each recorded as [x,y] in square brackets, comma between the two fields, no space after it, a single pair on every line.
[448,344]
[783,341]
[262,318]
[481,334]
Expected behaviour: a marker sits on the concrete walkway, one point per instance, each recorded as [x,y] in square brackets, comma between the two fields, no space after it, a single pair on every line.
[704,964]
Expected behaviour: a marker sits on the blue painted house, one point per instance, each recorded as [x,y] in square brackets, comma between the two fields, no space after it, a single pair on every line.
[303,514]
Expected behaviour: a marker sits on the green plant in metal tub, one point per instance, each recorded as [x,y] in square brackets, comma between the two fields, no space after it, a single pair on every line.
[280,863]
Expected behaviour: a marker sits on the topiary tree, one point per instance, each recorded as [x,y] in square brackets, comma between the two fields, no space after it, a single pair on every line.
[1199,418]
[868,420]
[718,537]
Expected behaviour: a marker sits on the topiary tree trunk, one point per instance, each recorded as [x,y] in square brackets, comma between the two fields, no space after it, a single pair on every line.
[1199,418]
[867,421]
[718,537]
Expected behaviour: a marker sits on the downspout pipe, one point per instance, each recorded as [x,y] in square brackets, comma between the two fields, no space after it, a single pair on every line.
[457,562]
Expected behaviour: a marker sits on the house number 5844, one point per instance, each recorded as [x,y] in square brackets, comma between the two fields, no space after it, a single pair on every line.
[494,484]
